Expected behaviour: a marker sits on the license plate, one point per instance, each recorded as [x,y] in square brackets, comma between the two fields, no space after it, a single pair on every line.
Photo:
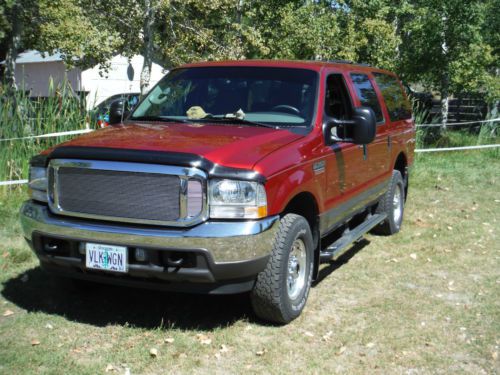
[106,257]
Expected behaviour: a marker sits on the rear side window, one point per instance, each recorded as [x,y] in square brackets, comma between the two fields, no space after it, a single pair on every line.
[366,94]
[397,105]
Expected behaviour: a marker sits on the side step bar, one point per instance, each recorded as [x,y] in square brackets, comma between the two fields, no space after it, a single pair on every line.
[342,244]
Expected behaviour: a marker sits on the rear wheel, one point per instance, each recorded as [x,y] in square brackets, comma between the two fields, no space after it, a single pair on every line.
[392,203]
[281,290]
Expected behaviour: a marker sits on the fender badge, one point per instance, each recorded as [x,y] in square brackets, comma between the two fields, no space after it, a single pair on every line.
[319,167]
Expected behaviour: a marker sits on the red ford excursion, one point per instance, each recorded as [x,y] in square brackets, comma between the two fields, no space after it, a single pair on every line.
[228,177]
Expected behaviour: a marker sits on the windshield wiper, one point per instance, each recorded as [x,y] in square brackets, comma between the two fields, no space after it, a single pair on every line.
[208,118]
[159,118]
[233,120]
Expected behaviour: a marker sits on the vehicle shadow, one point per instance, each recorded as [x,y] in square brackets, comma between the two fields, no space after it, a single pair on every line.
[101,305]
[334,265]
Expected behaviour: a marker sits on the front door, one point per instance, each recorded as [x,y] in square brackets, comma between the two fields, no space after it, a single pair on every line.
[346,165]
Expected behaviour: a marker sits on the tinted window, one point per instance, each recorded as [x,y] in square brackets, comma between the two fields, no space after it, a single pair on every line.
[276,96]
[397,105]
[367,94]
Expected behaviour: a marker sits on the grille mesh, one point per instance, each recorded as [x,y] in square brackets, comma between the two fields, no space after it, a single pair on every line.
[133,195]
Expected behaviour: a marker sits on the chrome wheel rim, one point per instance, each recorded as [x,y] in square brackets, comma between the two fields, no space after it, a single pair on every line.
[397,204]
[296,275]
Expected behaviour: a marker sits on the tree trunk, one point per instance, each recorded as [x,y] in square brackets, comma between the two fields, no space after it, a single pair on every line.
[147,50]
[239,11]
[13,47]
[445,77]
[444,101]
[239,16]
[397,27]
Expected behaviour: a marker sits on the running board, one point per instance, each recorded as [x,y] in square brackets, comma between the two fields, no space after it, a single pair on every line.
[342,244]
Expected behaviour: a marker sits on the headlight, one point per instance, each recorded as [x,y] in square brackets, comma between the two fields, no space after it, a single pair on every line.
[38,183]
[231,199]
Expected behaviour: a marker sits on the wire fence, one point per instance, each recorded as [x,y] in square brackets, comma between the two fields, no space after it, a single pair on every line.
[49,135]
[88,130]
[437,124]
[422,150]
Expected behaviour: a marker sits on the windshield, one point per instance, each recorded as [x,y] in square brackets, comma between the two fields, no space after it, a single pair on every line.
[272,96]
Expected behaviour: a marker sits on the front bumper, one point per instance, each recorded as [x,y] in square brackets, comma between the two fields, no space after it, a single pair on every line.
[224,257]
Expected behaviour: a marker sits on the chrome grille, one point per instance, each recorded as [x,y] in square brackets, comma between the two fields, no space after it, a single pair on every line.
[135,195]
[128,192]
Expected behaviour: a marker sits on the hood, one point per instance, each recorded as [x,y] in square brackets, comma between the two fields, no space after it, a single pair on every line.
[237,146]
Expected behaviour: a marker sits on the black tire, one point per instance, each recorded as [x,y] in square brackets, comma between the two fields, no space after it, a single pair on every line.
[386,205]
[271,297]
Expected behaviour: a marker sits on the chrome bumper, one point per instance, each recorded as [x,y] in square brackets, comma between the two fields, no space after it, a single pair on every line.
[226,242]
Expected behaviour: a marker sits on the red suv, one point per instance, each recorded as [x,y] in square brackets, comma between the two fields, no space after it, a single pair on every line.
[228,177]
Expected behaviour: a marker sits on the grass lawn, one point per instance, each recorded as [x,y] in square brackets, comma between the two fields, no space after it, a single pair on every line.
[424,301]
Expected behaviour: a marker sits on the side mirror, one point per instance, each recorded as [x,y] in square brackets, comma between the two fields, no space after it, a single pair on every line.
[118,110]
[360,130]
[365,126]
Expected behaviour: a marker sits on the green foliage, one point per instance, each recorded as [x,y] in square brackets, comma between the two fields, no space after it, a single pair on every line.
[443,42]
[28,12]
[70,29]
[438,43]
[193,30]
[4,22]
[490,28]
[295,39]
[377,43]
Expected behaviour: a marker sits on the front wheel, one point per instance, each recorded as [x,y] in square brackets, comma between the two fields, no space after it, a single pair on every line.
[281,290]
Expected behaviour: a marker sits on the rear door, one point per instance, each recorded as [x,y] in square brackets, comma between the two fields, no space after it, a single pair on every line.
[396,104]
[376,154]
[397,108]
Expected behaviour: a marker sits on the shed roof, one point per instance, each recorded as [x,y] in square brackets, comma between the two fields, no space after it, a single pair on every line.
[32,56]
